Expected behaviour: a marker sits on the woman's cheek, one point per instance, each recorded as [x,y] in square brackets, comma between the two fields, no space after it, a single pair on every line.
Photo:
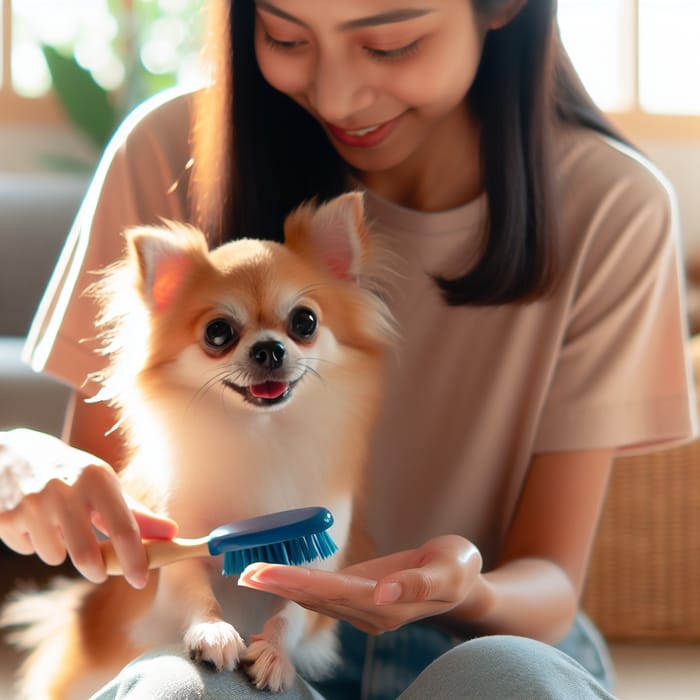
[286,74]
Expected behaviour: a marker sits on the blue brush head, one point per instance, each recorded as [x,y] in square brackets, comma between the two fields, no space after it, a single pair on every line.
[295,536]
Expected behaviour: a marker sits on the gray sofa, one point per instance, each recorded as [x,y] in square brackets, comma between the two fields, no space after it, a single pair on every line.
[36,212]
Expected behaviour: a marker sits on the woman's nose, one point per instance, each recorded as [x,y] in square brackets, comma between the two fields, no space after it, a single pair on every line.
[339,90]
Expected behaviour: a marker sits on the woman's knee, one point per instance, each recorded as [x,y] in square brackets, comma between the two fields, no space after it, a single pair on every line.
[505,667]
[170,674]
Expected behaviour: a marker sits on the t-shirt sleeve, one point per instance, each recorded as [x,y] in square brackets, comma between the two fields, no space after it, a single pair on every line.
[624,378]
[140,179]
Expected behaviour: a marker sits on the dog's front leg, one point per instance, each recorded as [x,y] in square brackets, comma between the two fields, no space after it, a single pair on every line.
[208,638]
[308,637]
[266,660]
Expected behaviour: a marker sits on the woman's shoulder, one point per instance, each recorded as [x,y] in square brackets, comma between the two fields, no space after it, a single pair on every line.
[147,161]
[610,194]
[598,168]
[163,119]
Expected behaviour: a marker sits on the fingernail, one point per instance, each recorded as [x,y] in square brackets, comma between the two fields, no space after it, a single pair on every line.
[250,573]
[138,582]
[386,593]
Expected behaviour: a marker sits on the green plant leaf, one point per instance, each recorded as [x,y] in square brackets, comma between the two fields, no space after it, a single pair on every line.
[84,100]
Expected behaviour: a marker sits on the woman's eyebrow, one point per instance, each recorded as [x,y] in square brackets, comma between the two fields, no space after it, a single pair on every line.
[385,18]
[390,17]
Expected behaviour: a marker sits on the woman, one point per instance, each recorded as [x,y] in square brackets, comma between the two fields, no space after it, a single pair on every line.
[538,299]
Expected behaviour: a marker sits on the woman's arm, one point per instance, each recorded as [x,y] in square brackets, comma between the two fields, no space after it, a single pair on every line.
[533,592]
[536,587]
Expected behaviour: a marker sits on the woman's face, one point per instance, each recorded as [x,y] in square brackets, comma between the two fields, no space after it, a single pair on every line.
[387,79]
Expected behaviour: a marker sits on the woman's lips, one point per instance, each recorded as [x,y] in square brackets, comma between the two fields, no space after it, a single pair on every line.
[364,137]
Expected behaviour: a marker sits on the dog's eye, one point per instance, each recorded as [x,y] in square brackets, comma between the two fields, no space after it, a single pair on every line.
[302,323]
[219,335]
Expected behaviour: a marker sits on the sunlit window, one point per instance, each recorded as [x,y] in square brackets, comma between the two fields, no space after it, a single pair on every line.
[669,56]
[636,54]
[599,37]
[130,47]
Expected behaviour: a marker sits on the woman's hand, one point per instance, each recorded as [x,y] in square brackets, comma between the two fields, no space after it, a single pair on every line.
[52,494]
[382,594]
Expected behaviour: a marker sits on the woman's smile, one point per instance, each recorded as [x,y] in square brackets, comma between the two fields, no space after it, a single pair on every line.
[363,137]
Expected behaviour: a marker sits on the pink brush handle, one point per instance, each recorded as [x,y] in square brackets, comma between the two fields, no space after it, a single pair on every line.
[158,552]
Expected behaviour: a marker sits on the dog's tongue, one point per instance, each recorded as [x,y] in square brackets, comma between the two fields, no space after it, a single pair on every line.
[268,390]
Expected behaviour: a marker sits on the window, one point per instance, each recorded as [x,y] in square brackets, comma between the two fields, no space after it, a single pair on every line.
[639,60]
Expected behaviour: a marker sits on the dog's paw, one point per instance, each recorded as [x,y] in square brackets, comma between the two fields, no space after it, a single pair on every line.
[215,643]
[268,666]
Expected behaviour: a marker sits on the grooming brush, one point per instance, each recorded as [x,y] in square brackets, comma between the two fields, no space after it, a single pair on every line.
[294,536]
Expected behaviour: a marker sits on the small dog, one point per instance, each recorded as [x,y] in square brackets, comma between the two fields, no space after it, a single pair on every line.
[247,380]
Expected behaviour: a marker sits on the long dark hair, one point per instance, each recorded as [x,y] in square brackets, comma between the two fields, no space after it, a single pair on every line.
[258,154]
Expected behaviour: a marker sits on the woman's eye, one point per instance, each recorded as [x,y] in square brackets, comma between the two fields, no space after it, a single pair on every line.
[281,45]
[219,335]
[302,324]
[394,54]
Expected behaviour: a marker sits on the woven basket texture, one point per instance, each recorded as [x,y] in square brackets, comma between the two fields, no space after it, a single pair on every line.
[644,577]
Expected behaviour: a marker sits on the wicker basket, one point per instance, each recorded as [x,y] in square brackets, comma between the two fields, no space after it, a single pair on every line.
[644,578]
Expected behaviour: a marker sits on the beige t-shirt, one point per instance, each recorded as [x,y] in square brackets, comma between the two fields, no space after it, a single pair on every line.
[472,392]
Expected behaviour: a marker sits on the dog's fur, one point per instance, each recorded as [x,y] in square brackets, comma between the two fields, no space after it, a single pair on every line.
[207,449]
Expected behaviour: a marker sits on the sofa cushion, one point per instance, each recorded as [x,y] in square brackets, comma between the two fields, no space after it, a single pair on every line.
[36,212]
[28,399]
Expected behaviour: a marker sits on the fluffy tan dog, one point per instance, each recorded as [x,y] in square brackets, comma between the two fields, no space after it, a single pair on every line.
[247,380]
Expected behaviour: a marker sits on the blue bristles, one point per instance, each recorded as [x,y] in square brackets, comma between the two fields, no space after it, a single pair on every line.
[298,551]
[295,537]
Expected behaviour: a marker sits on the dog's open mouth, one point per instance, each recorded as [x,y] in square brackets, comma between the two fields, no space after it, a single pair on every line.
[268,393]
[269,390]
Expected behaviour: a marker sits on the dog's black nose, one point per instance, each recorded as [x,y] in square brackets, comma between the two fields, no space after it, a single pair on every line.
[268,354]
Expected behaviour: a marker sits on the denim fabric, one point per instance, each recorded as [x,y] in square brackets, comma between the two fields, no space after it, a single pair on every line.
[378,668]
[382,667]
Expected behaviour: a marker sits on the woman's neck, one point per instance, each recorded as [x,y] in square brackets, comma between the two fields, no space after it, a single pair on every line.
[444,173]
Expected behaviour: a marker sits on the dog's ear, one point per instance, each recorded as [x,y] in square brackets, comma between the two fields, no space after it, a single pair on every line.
[335,233]
[164,257]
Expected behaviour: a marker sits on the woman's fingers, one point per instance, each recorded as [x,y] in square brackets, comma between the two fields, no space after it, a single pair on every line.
[81,542]
[416,586]
[14,533]
[53,493]
[105,497]
[44,535]
[19,542]
[309,584]
[374,595]
[442,571]
[339,595]
[151,525]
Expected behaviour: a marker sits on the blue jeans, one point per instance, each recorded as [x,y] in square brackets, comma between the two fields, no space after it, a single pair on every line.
[417,662]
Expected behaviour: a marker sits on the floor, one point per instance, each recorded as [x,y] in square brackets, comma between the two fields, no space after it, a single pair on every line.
[658,672]
[644,671]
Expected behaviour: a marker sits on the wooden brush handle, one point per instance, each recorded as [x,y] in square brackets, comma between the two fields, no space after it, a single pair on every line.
[158,552]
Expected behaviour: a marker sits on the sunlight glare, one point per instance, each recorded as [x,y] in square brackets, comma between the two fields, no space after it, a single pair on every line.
[597,37]
[669,59]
